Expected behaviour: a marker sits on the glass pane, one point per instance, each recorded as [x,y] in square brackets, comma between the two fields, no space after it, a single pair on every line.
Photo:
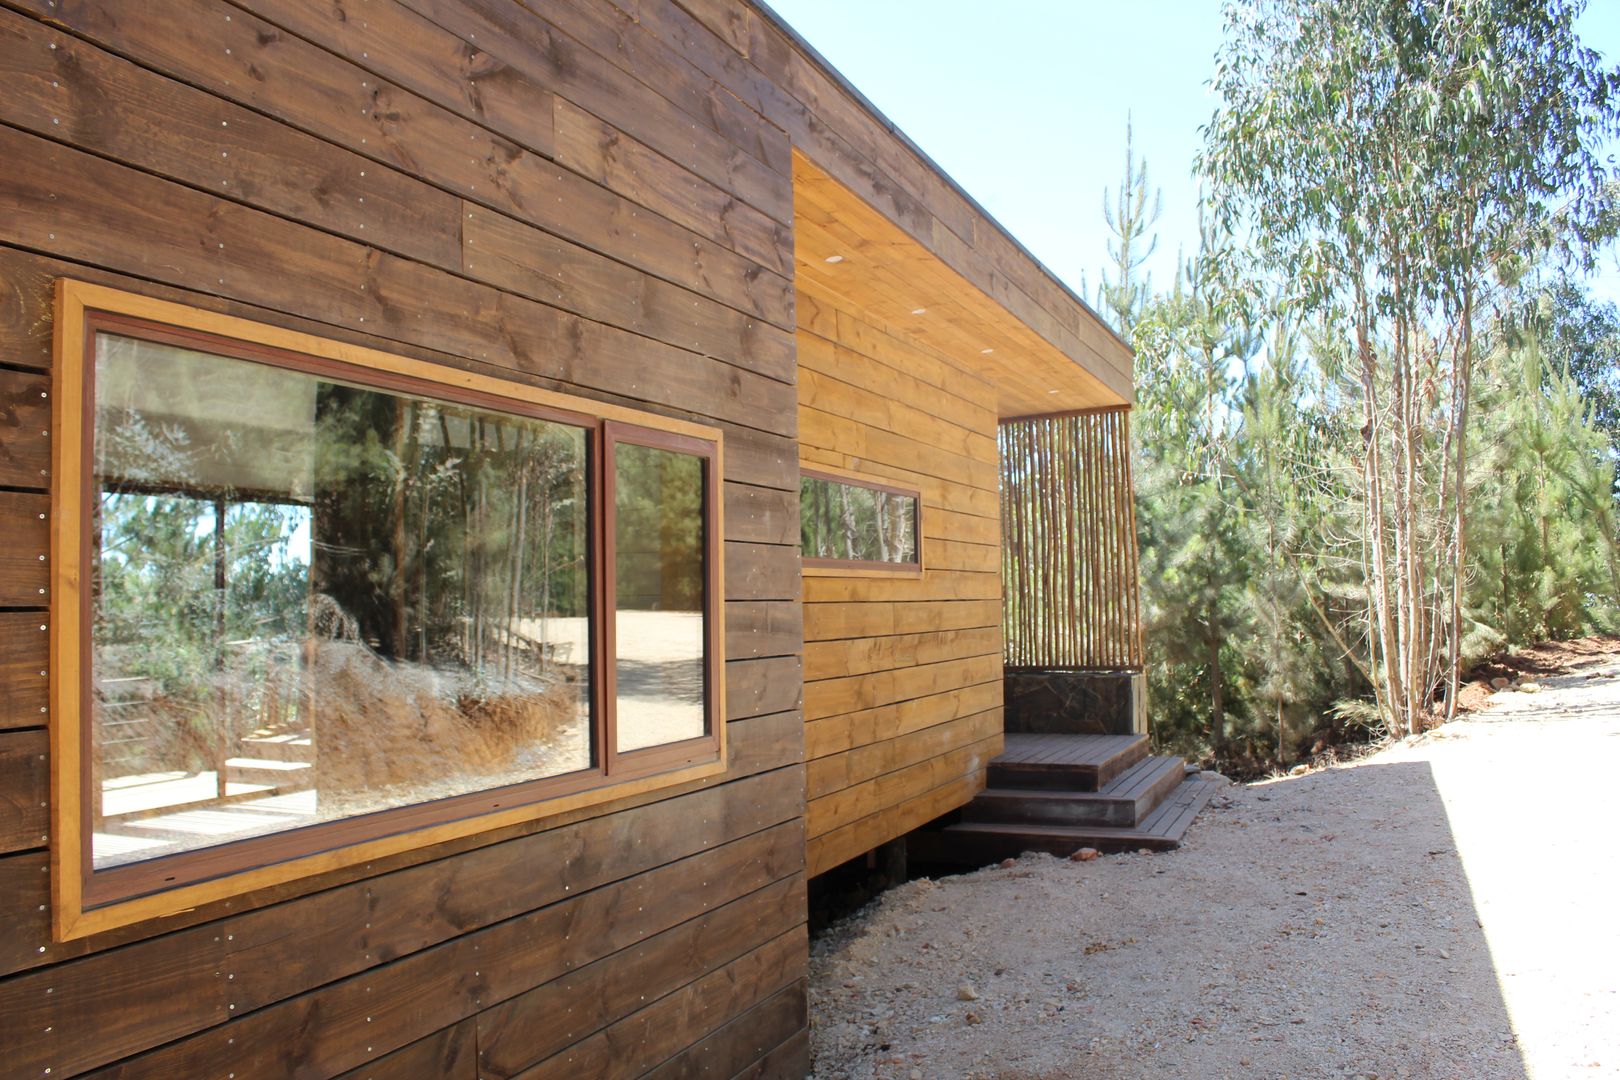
[855,522]
[314,600]
[658,541]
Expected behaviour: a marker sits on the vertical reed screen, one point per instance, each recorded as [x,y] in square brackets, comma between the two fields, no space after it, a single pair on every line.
[1068,526]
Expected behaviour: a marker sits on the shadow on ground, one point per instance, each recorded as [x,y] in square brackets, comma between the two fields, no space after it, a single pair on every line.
[1322,926]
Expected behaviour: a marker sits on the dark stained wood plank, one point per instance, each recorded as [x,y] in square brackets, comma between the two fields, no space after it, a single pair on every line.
[520,258]
[25,422]
[790,1060]
[63,88]
[724,61]
[642,1040]
[24,676]
[728,146]
[761,515]
[620,39]
[97,1009]
[607,156]
[754,746]
[339,1026]
[450,1054]
[754,628]
[756,458]
[127,221]
[243,59]
[745,1042]
[25,555]
[762,572]
[247,60]
[765,459]
[25,787]
[533,1026]
[389,40]
[25,309]
[771,742]
[756,687]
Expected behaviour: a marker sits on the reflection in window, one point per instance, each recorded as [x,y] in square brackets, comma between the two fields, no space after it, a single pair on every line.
[314,600]
[658,584]
[848,521]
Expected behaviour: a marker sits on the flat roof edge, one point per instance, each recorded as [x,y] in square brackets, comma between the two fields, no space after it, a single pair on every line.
[892,128]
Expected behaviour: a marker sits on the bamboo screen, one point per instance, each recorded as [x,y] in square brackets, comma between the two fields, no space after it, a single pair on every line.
[1068,557]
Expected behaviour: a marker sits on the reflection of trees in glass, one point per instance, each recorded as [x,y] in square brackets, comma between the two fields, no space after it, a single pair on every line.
[658,497]
[169,626]
[851,521]
[659,583]
[445,532]
[403,580]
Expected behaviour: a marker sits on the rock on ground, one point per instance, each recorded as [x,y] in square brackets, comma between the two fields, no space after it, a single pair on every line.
[1443,908]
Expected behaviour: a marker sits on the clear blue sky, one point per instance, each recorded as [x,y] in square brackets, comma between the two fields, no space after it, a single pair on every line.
[1026,107]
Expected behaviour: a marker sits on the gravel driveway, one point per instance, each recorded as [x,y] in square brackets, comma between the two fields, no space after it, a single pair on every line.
[1443,908]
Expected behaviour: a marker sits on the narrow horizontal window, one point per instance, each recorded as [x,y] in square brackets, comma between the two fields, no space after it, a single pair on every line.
[854,523]
[310,606]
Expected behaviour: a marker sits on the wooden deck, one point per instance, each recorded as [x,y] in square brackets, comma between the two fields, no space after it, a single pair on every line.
[1059,793]
[1065,762]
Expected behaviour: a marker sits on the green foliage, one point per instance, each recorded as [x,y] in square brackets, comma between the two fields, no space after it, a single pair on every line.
[1397,165]
[1130,218]
[1369,451]
[1543,548]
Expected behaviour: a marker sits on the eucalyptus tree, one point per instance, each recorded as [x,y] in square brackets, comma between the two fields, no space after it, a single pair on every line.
[1131,216]
[1395,164]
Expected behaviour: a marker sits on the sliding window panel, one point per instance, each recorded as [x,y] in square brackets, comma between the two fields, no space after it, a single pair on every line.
[663,621]
[315,599]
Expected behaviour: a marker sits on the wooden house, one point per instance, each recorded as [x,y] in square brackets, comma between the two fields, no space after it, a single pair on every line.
[410,665]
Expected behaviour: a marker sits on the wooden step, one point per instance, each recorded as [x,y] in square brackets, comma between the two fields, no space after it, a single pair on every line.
[284,776]
[1065,762]
[288,746]
[1122,803]
[980,843]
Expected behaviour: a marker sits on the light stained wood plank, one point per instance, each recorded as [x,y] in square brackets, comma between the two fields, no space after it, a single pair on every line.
[893,790]
[831,697]
[935,584]
[825,775]
[955,497]
[845,843]
[855,656]
[828,621]
[849,730]
[869,443]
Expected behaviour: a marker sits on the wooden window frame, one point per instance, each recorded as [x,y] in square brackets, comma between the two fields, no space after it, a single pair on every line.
[815,566]
[86,902]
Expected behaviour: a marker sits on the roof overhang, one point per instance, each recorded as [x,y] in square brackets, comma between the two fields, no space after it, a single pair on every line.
[846,247]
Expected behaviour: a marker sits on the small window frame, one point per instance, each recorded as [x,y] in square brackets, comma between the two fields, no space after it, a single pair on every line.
[86,901]
[818,566]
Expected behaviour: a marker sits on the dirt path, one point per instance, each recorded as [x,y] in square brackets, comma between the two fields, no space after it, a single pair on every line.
[1444,908]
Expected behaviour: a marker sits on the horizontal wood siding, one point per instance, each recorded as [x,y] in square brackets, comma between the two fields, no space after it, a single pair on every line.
[745,51]
[902,696]
[559,198]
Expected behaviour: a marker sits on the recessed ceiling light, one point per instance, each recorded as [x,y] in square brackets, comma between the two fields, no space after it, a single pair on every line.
[919,311]
[835,258]
[1051,391]
[986,352]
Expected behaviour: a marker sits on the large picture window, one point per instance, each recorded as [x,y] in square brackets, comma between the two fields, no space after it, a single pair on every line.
[327,601]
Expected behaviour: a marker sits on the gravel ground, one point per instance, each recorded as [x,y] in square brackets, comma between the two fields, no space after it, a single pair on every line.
[1442,908]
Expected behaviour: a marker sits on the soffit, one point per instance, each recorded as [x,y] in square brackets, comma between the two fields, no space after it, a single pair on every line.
[845,247]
